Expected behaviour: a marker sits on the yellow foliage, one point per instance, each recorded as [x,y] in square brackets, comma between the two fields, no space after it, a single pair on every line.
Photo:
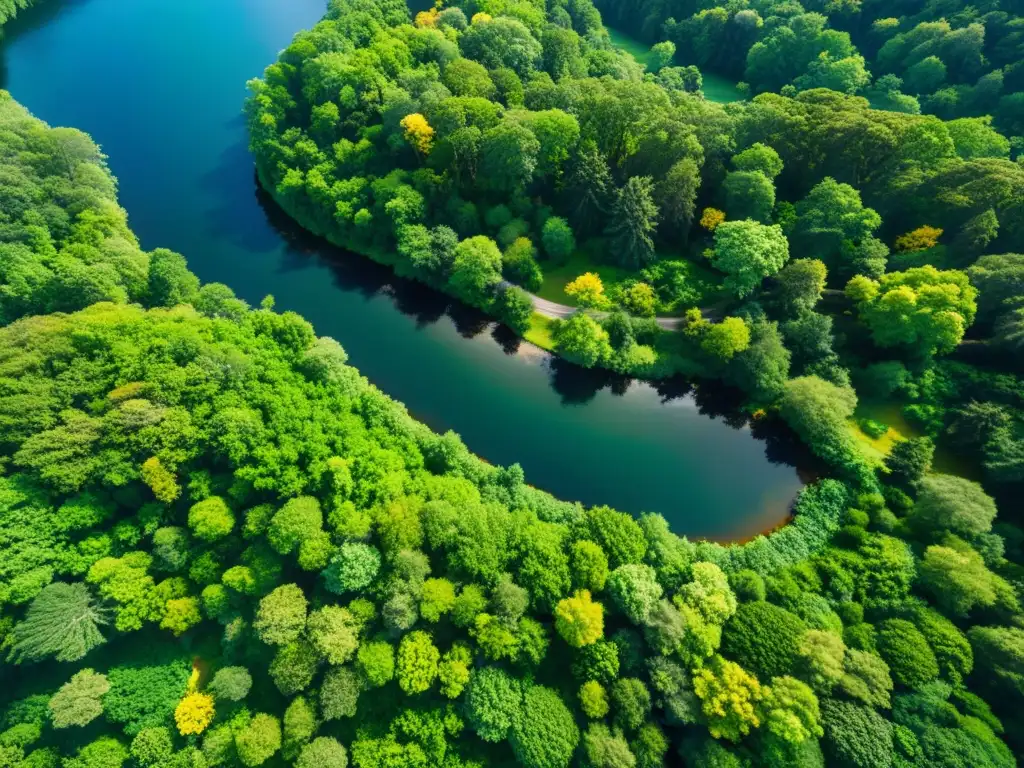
[587,289]
[427,18]
[194,713]
[418,132]
[161,481]
[919,239]
[480,18]
[711,218]
[193,679]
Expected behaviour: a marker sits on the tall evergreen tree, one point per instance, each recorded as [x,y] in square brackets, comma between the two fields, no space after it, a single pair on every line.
[634,218]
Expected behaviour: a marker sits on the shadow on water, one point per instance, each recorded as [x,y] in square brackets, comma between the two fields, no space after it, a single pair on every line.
[575,385]
[592,435]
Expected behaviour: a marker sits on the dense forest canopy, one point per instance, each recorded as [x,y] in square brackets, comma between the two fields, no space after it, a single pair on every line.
[947,59]
[223,547]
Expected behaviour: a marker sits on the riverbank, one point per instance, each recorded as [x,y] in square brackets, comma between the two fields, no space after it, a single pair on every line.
[186,177]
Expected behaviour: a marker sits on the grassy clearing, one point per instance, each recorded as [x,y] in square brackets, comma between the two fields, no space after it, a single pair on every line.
[539,332]
[719,89]
[716,88]
[556,277]
[630,45]
[589,259]
[877,448]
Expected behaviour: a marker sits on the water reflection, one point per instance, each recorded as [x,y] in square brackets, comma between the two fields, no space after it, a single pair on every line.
[575,386]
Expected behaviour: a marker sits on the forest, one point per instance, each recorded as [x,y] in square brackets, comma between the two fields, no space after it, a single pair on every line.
[225,548]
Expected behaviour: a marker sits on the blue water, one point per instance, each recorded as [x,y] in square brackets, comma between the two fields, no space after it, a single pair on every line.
[160,85]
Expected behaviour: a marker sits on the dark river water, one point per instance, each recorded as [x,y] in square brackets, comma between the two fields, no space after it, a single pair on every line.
[160,85]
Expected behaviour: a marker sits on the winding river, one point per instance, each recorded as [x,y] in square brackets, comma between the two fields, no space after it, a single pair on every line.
[160,84]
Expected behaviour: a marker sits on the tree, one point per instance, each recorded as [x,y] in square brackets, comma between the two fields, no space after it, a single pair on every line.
[453,671]
[834,226]
[920,239]
[300,723]
[730,698]
[544,734]
[676,195]
[62,622]
[866,678]
[299,519]
[799,285]
[170,281]
[599,661]
[152,746]
[818,412]
[760,158]
[501,42]
[558,239]
[635,591]
[493,701]
[281,616]
[909,460]
[926,76]
[476,271]
[723,340]
[438,599]
[322,752]
[418,132]
[791,711]
[210,519]
[593,700]
[259,740]
[104,752]
[508,157]
[764,637]
[194,713]
[145,693]
[376,662]
[582,340]
[954,504]
[417,662]
[821,659]
[958,580]
[588,188]
[999,653]
[579,620]
[856,736]
[588,290]
[632,703]
[353,568]
[589,566]
[230,683]
[632,223]
[748,252]
[79,701]
[660,55]
[907,653]
[749,195]
[520,266]
[339,694]
[618,535]
[923,307]
[334,631]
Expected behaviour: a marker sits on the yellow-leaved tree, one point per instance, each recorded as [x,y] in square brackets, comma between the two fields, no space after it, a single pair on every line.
[418,132]
[587,289]
[193,713]
[919,239]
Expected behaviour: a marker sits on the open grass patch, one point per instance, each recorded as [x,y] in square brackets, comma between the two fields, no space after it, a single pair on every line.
[716,88]
[557,276]
[539,332]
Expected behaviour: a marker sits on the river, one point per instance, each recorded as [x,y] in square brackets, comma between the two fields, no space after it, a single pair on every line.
[160,85]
